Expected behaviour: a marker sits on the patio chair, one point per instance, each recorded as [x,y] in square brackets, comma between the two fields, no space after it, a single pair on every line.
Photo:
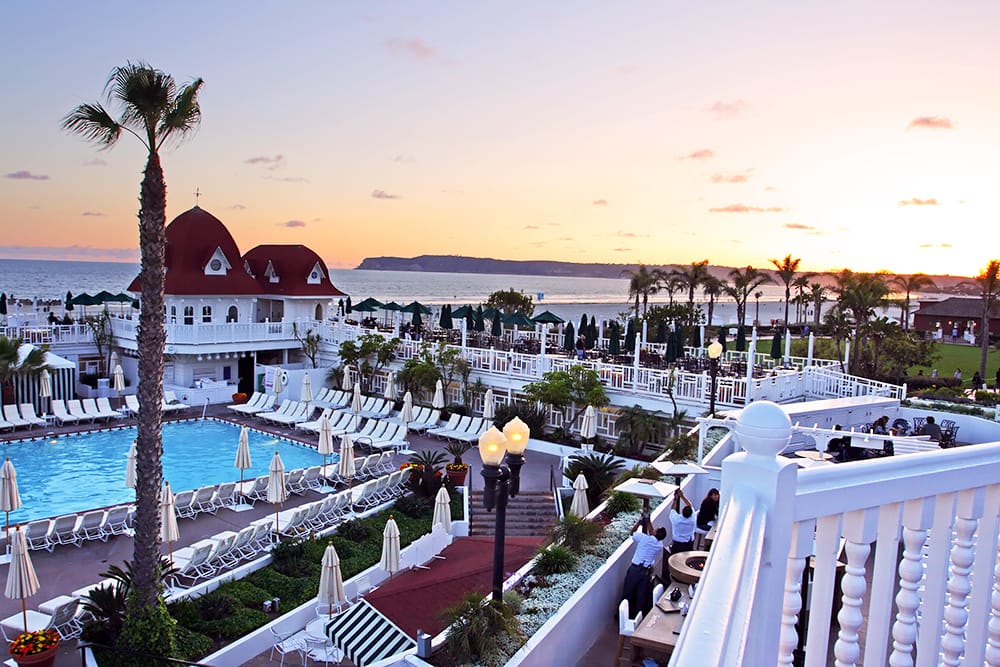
[11,416]
[89,406]
[132,404]
[74,407]
[257,490]
[184,505]
[263,406]
[254,399]
[28,414]
[226,496]
[293,483]
[192,562]
[104,406]
[204,500]
[63,610]
[61,414]
[322,650]
[64,530]
[286,643]
[626,628]
[117,521]
[36,534]
[92,526]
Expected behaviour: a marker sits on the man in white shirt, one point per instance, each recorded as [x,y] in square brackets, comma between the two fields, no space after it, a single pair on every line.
[682,524]
[638,587]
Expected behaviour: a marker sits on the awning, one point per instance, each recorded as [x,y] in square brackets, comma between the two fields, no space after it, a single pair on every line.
[366,636]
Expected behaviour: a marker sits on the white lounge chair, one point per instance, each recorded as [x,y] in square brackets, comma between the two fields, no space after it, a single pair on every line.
[192,562]
[64,530]
[36,534]
[91,409]
[11,416]
[28,414]
[61,414]
[74,407]
[104,405]
[254,399]
[117,521]
[204,500]
[132,404]
[184,504]
[92,526]
[449,426]
[263,406]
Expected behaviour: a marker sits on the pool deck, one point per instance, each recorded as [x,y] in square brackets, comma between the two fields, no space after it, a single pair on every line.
[69,568]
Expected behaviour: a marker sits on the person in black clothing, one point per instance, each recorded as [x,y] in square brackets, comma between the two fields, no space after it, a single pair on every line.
[708,513]
[977,381]
[840,447]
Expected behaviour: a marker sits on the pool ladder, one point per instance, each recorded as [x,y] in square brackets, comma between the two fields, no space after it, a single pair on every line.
[204,409]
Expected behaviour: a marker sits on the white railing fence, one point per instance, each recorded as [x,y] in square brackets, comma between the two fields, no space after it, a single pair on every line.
[898,557]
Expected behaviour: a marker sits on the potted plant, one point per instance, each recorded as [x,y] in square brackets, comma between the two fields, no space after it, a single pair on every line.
[240,397]
[457,469]
[35,648]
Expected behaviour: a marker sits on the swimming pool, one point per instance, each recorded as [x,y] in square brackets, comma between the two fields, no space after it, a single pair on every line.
[75,473]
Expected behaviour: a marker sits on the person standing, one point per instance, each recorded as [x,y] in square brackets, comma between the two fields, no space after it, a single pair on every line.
[682,523]
[638,586]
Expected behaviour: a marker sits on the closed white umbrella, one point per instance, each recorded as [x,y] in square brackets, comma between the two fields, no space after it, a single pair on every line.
[276,492]
[442,509]
[243,460]
[130,474]
[438,401]
[588,427]
[406,414]
[580,506]
[346,466]
[279,381]
[45,386]
[325,444]
[331,580]
[22,582]
[306,395]
[356,401]
[10,499]
[345,382]
[489,405]
[390,547]
[114,360]
[169,532]
[118,382]
[390,387]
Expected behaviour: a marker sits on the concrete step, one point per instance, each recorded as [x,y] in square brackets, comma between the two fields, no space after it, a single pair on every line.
[529,514]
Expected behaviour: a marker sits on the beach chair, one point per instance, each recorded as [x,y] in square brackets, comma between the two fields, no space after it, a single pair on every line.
[204,500]
[283,407]
[262,537]
[28,414]
[220,557]
[312,478]
[461,427]
[227,497]
[117,521]
[476,429]
[301,413]
[293,483]
[254,399]
[449,426]
[132,404]
[104,406]
[264,406]
[312,424]
[89,406]
[239,550]
[63,611]
[192,562]
[257,490]
[60,413]
[11,416]
[64,530]
[74,408]
[291,522]
[171,403]
[36,534]
[184,504]
[92,526]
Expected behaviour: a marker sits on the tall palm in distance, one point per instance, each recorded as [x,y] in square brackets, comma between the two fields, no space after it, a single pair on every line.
[691,278]
[908,285]
[712,288]
[988,282]
[742,283]
[642,283]
[801,284]
[859,295]
[817,295]
[154,110]
[786,269]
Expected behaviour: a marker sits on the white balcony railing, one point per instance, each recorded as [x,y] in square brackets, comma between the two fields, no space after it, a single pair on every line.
[911,540]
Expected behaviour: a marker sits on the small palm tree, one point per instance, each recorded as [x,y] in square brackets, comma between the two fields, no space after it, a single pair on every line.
[817,295]
[908,285]
[786,269]
[600,471]
[713,288]
[153,109]
[636,428]
[743,282]
[12,365]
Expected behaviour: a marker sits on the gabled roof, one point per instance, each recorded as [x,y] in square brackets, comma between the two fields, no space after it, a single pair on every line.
[193,239]
[299,270]
[962,308]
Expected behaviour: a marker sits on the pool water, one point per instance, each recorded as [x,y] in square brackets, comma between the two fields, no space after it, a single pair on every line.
[76,473]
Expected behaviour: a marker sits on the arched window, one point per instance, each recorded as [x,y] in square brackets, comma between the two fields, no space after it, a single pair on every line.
[206,314]
[319,313]
[233,315]
[173,314]
[188,314]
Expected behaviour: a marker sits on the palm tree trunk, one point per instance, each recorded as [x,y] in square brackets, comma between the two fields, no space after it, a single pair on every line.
[151,339]
[711,309]
[984,341]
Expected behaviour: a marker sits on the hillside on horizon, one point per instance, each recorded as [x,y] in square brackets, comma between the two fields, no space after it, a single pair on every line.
[486,265]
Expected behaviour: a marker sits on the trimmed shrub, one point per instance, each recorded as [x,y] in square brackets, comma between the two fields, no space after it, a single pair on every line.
[191,645]
[555,559]
[619,503]
[576,533]
[413,506]
[242,621]
[354,530]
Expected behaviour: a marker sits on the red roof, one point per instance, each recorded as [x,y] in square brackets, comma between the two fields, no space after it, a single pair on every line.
[293,265]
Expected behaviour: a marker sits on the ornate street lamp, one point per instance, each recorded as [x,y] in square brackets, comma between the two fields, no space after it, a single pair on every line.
[714,352]
[502,482]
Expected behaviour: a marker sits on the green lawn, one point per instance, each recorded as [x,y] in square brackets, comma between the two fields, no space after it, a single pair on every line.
[966,357]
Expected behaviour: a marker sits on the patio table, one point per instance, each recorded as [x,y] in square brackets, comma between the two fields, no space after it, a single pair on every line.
[659,630]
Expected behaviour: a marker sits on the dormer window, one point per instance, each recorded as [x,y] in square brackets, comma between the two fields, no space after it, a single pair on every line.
[217,264]
[271,275]
[315,276]
[246,267]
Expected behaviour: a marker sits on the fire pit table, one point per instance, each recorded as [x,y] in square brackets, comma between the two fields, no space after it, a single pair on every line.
[687,566]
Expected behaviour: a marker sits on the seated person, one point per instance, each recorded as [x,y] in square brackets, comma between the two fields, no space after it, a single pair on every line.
[932,429]
[837,447]
[708,513]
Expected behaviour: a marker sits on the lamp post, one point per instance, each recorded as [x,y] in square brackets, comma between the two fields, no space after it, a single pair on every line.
[714,352]
[502,482]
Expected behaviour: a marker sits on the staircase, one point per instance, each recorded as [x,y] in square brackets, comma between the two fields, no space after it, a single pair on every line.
[529,514]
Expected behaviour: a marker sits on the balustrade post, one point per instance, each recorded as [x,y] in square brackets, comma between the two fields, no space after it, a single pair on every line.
[763,431]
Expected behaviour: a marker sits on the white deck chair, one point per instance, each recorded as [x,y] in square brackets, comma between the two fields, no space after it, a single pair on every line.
[264,406]
[104,405]
[92,525]
[254,399]
[28,414]
[117,521]
[257,490]
[204,500]
[63,611]
[61,414]
[74,408]
[90,409]
[449,426]
[282,408]
[293,483]
[240,546]
[227,496]
[192,562]
[184,505]
[36,534]
[171,403]
[11,416]
[132,404]
[64,530]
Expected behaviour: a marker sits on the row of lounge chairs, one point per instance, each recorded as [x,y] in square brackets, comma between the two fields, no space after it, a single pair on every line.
[13,418]
[75,529]
[424,417]
[87,410]
[168,405]
[461,429]
[61,614]
[257,403]
[288,413]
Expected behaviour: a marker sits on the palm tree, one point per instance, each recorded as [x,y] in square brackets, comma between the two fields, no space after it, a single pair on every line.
[712,287]
[801,283]
[989,291]
[907,285]
[786,269]
[641,284]
[691,278]
[859,294]
[744,281]
[636,428]
[817,295]
[670,284]
[153,110]
[840,330]
[12,365]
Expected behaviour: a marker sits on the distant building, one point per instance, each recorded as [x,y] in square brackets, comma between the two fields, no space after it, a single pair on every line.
[955,315]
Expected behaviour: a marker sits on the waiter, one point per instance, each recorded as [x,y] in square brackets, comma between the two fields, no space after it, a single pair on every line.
[638,587]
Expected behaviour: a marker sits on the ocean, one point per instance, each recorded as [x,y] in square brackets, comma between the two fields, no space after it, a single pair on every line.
[568,297]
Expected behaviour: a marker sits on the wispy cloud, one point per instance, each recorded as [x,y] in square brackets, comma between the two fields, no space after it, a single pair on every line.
[382,194]
[918,202]
[292,223]
[621,250]
[531,227]
[25,175]
[935,245]
[728,109]
[566,238]
[237,207]
[702,154]
[460,193]
[621,233]
[600,202]
[268,162]
[930,123]
[404,159]
[288,179]
[730,178]
[413,48]
[743,208]
[70,252]
[770,188]
[798,225]
[96,162]
[92,214]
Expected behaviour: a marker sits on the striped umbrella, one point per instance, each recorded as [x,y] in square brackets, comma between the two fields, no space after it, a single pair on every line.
[22,582]
[169,532]
[331,580]
[130,474]
[390,547]
[10,499]
[243,461]
[276,492]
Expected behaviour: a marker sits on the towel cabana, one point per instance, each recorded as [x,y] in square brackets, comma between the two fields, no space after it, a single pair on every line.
[366,636]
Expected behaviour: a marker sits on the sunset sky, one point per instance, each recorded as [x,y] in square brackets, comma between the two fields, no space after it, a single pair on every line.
[853,134]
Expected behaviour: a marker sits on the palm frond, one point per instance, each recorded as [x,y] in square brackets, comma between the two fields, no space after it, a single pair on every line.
[145,95]
[93,123]
[184,115]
